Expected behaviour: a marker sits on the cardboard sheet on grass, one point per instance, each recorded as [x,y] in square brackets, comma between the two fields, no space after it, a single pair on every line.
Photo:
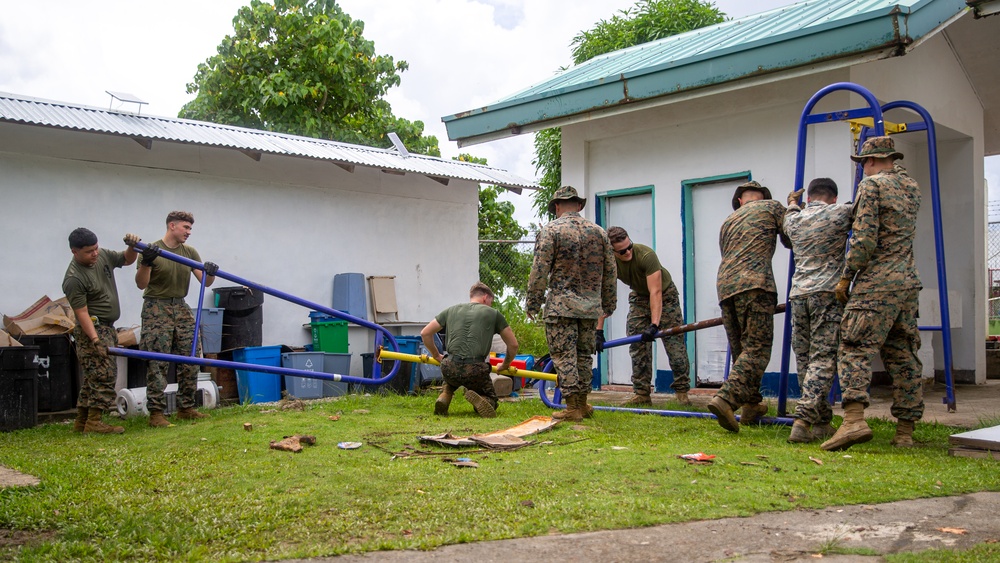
[508,439]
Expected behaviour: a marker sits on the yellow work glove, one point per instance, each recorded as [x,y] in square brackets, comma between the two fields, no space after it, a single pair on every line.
[793,198]
[843,290]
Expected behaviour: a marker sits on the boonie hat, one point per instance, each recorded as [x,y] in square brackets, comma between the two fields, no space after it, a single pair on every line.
[877,147]
[565,193]
[751,185]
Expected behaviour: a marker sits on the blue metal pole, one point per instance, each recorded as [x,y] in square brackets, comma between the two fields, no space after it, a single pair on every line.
[875,112]
[381,332]
[942,274]
[197,315]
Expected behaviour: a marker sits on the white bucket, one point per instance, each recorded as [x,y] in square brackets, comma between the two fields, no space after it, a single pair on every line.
[132,402]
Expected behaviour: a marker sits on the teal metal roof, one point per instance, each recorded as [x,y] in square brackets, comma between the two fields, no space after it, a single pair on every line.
[800,34]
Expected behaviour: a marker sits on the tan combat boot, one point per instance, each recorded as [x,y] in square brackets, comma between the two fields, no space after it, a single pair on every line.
[190,413]
[801,433]
[480,403]
[854,429]
[751,413]
[157,420]
[682,398]
[904,434]
[444,400]
[637,400]
[723,411]
[81,419]
[97,426]
[572,413]
[823,431]
[585,409]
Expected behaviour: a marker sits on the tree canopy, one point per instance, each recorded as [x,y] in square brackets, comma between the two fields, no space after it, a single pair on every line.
[303,67]
[647,20]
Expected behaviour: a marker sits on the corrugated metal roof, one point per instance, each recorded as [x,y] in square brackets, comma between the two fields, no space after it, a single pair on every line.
[21,109]
[779,39]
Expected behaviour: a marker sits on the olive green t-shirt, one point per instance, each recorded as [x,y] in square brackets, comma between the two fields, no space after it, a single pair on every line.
[643,264]
[170,280]
[94,286]
[470,328]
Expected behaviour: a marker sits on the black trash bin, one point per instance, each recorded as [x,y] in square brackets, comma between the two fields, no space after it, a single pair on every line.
[242,316]
[59,374]
[18,387]
[400,384]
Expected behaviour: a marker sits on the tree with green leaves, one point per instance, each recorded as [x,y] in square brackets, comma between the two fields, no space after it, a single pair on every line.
[303,67]
[647,20]
[501,265]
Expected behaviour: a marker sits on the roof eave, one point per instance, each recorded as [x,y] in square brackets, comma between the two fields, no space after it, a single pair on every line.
[870,39]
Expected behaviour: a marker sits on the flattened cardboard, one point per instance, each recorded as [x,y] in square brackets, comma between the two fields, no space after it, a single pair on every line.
[7,340]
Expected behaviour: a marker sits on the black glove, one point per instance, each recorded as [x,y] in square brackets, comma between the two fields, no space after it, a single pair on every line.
[149,254]
[599,335]
[211,268]
[649,334]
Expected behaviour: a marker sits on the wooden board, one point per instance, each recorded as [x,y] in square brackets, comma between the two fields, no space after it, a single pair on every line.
[974,452]
[983,438]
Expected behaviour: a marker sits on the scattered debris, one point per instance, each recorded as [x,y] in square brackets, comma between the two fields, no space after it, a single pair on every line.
[463,462]
[248,426]
[750,463]
[616,448]
[293,443]
[956,531]
[290,402]
[360,411]
[527,503]
[335,417]
[700,456]
[349,445]
[507,439]
[816,461]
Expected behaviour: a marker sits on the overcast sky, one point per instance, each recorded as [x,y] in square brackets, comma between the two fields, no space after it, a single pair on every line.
[462,54]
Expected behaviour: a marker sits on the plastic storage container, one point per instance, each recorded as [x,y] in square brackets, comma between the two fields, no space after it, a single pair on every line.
[18,387]
[339,364]
[58,379]
[211,330]
[242,318]
[258,386]
[303,387]
[349,294]
[329,335]
[399,384]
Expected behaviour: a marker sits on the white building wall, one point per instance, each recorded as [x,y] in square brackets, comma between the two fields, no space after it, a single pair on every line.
[756,129]
[286,223]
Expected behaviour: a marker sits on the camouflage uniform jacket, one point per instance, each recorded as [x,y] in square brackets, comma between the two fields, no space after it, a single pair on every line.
[574,260]
[819,239]
[747,242]
[880,251]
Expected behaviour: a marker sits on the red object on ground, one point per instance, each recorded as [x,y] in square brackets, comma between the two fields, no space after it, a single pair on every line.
[519,364]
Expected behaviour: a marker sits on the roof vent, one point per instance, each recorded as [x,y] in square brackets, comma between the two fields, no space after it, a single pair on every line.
[123,98]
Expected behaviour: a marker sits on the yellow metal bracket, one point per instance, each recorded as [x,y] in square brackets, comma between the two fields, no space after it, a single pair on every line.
[890,127]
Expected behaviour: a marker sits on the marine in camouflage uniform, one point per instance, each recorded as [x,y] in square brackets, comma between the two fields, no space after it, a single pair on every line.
[747,296]
[573,261]
[654,305]
[167,321]
[818,233]
[90,288]
[470,328]
[881,313]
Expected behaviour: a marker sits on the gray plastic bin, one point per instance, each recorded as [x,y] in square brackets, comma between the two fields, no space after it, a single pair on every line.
[341,365]
[303,387]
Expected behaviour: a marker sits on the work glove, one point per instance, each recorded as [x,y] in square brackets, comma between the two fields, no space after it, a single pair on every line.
[131,239]
[149,255]
[599,336]
[793,198]
[211,268]
[843,290]
[649,334]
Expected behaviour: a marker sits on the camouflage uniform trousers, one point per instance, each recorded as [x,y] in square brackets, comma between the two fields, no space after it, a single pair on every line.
[639,317]
[749,321]
[882,322]
[474,377]
[572,345]
[815,337]
[168,328]
[100,371]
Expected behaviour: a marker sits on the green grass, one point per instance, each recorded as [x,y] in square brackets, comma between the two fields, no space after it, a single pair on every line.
[981,553]
[212,491]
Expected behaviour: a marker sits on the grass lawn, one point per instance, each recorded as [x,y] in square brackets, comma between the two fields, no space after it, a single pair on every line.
[210,490]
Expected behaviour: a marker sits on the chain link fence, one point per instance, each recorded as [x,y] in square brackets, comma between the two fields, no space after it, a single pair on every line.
[993,269]
[505,265]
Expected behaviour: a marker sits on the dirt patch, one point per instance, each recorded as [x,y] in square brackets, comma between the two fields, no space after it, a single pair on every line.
[17,538]
[11,478]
